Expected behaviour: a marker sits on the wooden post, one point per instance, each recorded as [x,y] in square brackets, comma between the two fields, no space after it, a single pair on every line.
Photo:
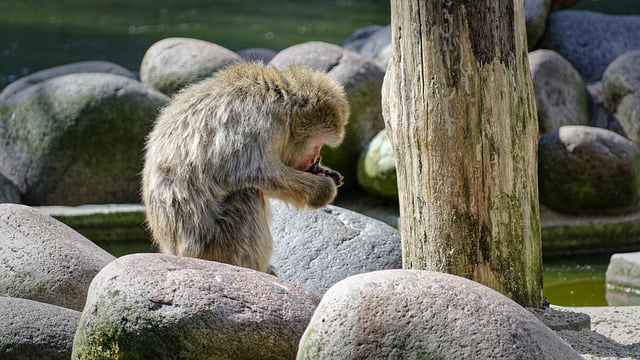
[459,108]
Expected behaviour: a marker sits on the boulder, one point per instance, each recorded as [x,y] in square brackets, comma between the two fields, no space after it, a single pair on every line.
[262,55]
[623,279]
[561,96]
[374,45]
[156,306]
[173,63]
[317,248]
[77,139]
[377,167]
[42,259]
[582,169]
[8,191]
[73,68]
[535,14]
[599,115]
[362,81]
[590,41]
[413,314]
[356,40]
[34,330]
[621,88]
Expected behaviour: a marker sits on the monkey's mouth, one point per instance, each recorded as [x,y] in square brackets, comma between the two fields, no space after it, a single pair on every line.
[313,159]
[306,165]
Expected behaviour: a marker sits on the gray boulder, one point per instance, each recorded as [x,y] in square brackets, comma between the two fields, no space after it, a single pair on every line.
[599,115]
[621,88]
[362,81]
[173,63]
[535,14]
[317,248]
[375,45]
[623,279]
[156,306]
[77,139]
[561,96]
[262,55]
[359,37]
[44,260]
[34,330]
[412,314]
[582,169]
[590,41]
[377,167]
[8,191]
[73,68]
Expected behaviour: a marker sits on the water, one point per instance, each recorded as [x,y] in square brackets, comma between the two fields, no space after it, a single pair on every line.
[576,281]
[36,34]
[620,7]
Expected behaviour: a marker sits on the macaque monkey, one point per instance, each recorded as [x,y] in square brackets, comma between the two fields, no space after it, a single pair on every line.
[223,145]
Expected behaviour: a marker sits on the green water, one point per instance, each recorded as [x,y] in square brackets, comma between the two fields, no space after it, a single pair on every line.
[37,34]
[576,281]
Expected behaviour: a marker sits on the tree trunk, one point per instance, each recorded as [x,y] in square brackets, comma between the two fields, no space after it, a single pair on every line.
[458,106]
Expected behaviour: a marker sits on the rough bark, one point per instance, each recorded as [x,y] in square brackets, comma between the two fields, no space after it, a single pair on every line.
[458,105]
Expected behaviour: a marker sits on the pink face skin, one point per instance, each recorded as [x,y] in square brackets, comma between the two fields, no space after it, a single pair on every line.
[310,160]
[311,155]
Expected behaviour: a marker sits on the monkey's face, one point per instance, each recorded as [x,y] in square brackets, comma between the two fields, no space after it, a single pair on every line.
[309,152]
[318,113]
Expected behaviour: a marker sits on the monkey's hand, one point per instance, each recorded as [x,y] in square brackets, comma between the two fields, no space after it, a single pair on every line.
[299,188]
[324,193]
[318,169]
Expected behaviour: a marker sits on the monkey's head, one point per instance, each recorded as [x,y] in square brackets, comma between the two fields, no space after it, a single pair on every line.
[318,115]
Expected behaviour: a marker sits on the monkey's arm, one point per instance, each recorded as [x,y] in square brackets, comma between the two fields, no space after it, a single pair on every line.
[299,188]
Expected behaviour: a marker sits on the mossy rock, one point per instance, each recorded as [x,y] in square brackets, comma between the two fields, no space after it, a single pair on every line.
[77,139]
[377,167]
[586,170]
[174,63]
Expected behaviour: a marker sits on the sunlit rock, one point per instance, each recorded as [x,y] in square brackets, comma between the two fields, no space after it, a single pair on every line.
[42,259]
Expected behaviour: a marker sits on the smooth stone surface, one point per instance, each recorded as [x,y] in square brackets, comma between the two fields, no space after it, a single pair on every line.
[173,63]
[623,279]
[621,89]
[33,330]
[583,170]
[317,248]
[73,68]
[262,55]
[156,306]
[599,115]
[42,259]
[412,314]
[561,96]
[77,138]
[535,15]
[590,40]
[377,167]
